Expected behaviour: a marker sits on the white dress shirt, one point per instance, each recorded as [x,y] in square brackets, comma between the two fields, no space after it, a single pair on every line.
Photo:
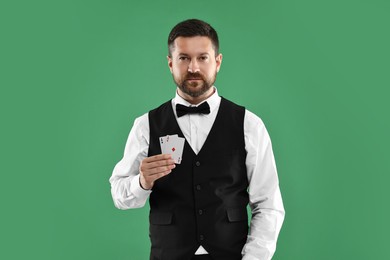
[264,195]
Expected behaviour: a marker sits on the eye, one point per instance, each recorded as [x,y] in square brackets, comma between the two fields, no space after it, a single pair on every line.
[183,58]
[203,58]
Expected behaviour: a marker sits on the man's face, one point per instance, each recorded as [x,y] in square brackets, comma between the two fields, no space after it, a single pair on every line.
[194,65]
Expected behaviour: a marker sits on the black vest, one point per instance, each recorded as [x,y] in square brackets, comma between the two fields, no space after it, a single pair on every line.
[203,200]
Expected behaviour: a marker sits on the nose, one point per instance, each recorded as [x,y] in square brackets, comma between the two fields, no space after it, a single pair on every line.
[193,66]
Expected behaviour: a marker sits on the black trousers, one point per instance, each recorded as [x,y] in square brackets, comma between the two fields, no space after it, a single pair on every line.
[202,257]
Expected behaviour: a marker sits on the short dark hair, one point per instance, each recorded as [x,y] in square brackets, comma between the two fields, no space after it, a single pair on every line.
[191,28]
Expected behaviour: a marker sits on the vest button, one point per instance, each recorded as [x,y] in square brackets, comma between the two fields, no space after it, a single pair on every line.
[200,212]
[197,163]
[201,237]
[198,187]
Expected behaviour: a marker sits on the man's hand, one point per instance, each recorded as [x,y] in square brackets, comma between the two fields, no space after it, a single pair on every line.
[153,168]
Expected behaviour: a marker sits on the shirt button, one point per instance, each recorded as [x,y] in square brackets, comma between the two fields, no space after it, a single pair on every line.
[201,237]
[197,163]
[198,187]
[200,212]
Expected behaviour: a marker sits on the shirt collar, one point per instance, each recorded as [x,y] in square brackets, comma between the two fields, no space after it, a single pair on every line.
[214,101]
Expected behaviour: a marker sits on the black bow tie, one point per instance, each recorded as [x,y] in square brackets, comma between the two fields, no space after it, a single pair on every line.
[181,110]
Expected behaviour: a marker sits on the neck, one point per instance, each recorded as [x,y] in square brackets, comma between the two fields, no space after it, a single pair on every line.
[196,100]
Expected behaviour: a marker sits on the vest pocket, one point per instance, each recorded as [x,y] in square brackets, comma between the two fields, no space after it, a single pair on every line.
[237,214]
[160,218]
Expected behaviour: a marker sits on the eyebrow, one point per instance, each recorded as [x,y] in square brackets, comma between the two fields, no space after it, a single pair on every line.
[185,54]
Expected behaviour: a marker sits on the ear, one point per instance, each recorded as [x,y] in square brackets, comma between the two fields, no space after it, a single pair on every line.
[218,60]
[169,63]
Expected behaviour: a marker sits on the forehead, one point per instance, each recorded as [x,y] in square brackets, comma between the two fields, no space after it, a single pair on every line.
[193,45]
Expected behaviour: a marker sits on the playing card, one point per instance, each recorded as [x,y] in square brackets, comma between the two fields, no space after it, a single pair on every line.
[177,149]
[165,143]
[172,144]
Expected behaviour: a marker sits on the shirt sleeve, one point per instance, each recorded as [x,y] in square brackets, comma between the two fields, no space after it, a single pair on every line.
[125,186]
[264,194]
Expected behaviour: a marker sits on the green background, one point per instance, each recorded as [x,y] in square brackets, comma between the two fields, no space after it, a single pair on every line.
[75,75]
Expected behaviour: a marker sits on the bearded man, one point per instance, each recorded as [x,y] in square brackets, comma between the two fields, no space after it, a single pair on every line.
[200,159]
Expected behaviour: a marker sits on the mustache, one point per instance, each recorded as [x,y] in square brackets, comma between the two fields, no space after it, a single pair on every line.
[195,75]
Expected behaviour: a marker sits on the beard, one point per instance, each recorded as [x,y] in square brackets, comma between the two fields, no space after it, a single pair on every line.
[194,88]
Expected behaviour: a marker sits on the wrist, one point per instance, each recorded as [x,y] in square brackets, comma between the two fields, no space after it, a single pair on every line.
[143,185]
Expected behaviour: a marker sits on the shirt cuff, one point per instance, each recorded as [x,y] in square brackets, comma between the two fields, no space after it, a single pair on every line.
[137,190]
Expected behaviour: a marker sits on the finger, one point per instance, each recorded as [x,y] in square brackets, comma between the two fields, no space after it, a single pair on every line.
[160,163]
[158,157]
[155,177]
[158,170]
[145,166]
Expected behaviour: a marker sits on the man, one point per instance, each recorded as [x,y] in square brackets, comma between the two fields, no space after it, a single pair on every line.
[198,206]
